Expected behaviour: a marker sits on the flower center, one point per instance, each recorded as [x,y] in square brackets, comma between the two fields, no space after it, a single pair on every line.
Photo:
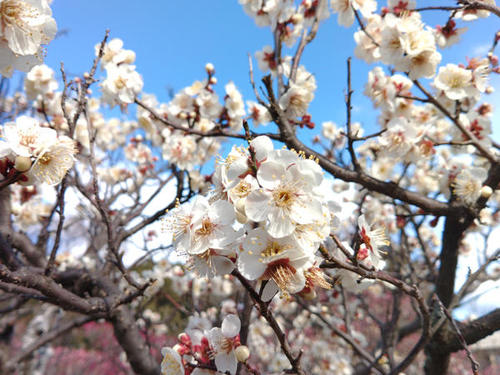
[242,189]
[45,159]
[272,249]
[207,227]
[281,272]
[120,83]
[283,198]
[456,82]
[227,344]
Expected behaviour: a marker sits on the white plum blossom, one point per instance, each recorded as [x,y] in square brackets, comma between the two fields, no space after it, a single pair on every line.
[223,342]
[213,262]
[468,183]
[114,54]
[266,60]
[24,137]
[258,113]
[372,240]
[333,133]
[455,82]
[121,85]
[346,8]
[53,161]
[473,14]
[295,101]
[234,106]
[261,11]
[400,138]
[26,25]
[368,47]
[202,226]
[286,198]
[449,34]
[278,260]
[39,81]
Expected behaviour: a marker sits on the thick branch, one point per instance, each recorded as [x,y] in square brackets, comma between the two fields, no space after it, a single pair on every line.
[132,342]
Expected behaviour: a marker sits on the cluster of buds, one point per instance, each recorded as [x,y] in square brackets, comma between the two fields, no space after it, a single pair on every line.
[218,348]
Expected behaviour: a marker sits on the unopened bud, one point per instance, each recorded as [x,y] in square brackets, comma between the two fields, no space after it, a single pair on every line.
[209,67]
[22,163]
[309,295]
[297,18]
[213,80]
[86,75]
[242,353]
[489,90]
[184,338]
[486,191]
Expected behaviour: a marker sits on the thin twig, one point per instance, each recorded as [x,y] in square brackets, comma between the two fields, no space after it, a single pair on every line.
[474,363]
[350,142]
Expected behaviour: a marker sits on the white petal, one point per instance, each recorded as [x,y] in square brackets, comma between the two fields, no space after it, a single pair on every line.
[280,224]
[262,146]
[311,171]
[237,169]
[270,174]
[222,265]
[226,362]
[222,212]
[297,282]
[256,205]
[306,211]
[249,265]
[231,326]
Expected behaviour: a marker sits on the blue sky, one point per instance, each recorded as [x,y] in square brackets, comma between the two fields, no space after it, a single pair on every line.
[174,39]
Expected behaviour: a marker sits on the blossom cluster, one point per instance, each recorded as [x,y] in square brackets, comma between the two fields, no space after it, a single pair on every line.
[122,83]
[412,131]
[266,217]
[194,111]
[38,153]
[198,346]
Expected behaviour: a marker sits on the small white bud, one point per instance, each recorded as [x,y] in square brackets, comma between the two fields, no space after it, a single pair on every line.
[309,296]
[242,353]
[22,163]
[213,80]
[297,18]
[486,191]
[209,67]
